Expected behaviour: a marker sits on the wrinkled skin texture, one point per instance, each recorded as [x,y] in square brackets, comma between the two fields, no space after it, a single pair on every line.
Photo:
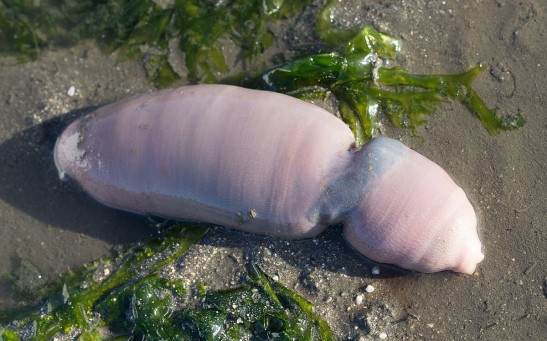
[415,216]
[267,163]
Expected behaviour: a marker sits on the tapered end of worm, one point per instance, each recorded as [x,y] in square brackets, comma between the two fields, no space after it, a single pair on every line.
[414,215]
[67,156]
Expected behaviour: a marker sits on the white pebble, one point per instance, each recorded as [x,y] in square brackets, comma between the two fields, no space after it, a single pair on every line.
[375,270]
[369,288]
[382,336]
[71,91]
[359,299]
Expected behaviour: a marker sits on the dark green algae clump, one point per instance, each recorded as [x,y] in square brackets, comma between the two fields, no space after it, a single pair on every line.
[124,297]
[147,30]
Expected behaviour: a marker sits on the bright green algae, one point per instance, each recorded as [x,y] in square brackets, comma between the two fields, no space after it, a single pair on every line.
[356,73]
[133,300]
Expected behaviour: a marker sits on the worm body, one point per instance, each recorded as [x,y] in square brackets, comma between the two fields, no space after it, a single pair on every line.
[267,163]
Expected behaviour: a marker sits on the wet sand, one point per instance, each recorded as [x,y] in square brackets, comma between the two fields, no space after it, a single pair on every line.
[57,227]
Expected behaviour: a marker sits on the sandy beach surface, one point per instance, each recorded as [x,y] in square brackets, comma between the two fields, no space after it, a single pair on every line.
[56,227]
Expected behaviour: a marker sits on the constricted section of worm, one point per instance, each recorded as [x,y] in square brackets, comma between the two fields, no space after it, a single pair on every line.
[267,163]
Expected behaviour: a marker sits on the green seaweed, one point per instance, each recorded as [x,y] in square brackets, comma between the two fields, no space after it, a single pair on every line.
[23,28]
[356,73]
[261,310]
[355,70]
[124,296]
[148,31]
[145,30]
[71,300]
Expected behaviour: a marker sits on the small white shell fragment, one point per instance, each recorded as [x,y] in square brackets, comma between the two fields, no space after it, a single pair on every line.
[382,336]
[71,91]
[369,288]
[66,296]
[359,299]
[375,270]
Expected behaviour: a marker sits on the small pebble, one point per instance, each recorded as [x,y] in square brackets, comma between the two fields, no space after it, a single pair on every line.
[382,336]
[359,299]
[369,288]
[375,270]
[71,91]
